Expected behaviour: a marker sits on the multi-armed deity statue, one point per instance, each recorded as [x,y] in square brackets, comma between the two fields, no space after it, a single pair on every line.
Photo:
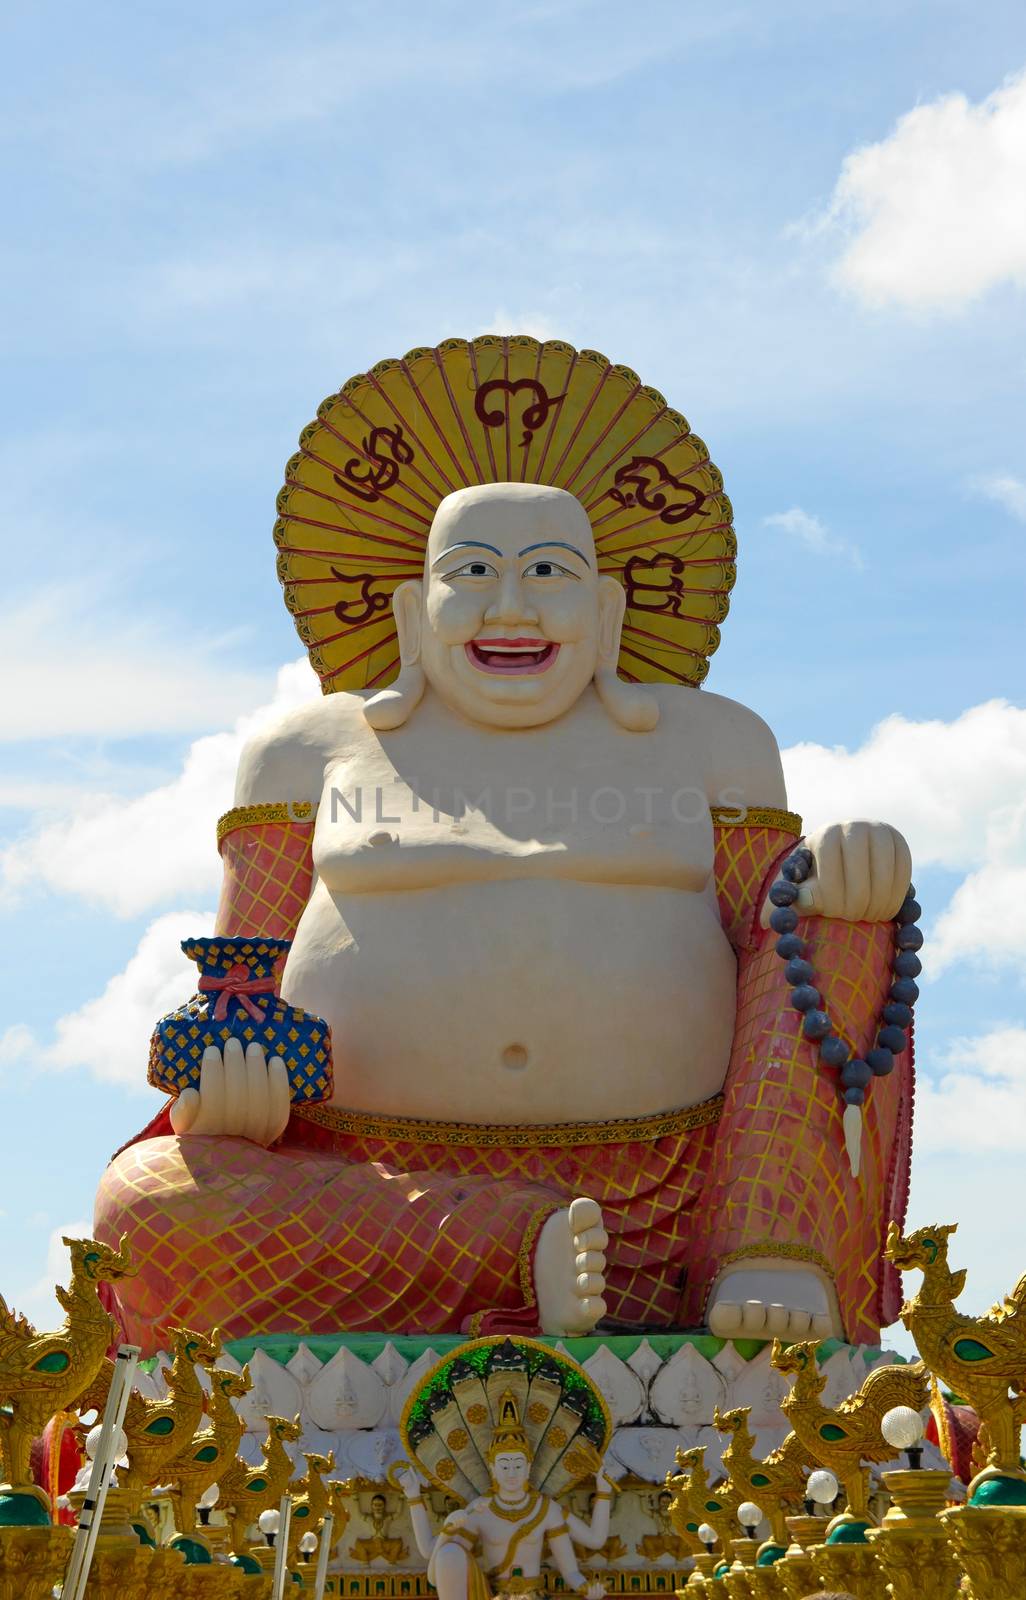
[525,863]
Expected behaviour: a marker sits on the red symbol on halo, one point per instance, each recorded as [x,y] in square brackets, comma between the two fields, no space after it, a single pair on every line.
[632,486]
[534,415]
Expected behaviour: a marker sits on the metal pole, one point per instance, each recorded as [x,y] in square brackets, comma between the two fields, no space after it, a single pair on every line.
[324,1555]
[77,1575]
[281,1548]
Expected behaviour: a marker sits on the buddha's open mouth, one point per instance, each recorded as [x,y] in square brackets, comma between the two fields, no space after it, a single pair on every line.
[512,657]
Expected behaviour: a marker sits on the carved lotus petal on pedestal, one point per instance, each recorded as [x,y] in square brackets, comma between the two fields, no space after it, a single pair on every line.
[347,1393]
[400,1391]
[687,1390]
[149,1385]
[646,1362]
[392,1368]
[304,1366]
[275,1393]
[760,1386]
[621,1388]
[158,1374]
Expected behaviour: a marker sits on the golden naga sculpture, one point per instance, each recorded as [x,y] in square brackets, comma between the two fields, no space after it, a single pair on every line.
[980,1358]
[43,1373]
[157,1430]
[211,1449]
[774,1482]
[843,1438]
[718,1507]
[311,1498]
[246,1490]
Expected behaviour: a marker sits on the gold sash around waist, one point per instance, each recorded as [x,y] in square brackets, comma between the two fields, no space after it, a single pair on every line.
[519,1136]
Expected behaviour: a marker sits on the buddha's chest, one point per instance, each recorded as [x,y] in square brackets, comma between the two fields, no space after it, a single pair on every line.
[416,809]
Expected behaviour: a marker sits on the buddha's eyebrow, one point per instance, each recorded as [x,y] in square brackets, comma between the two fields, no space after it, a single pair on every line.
[463,544]
[556,544]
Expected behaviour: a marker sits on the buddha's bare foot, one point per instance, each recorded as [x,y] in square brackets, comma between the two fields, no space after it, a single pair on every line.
[570,1269]
[763,1300]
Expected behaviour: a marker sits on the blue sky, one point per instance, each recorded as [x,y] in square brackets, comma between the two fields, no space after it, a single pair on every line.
[802,222]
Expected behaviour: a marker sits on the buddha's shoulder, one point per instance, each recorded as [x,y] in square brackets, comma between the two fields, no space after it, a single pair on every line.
[735,744]
[286,759]
[698,710]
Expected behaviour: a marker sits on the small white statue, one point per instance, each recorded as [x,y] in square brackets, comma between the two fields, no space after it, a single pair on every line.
[494,1545]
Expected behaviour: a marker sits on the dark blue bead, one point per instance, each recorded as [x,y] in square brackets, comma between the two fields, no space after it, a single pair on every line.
[833,1052]
[856,1075]
[893,1039]
[907,964]
[804,854]
[806,997]
[799,971]
[908,938]
[855,1097]
[880,1060]
[905,989]
[790,945]
[898,1013]
[784,919]
[816,1025]
[910,911]
[783,894]
[794,871]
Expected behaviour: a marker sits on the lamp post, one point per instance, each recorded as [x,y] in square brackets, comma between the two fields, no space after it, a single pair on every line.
[320,1578]
[911,1544]
[109,1446]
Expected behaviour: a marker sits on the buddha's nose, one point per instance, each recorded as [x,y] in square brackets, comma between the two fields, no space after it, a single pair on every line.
[511,604]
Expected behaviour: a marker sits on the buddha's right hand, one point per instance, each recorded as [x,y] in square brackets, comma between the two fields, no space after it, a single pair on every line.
[246,1096]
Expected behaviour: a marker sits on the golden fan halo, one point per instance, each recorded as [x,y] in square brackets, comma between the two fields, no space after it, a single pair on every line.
[361,491]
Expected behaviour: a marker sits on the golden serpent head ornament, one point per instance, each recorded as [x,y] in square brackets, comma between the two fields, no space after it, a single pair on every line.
[362,489]
[503,1394]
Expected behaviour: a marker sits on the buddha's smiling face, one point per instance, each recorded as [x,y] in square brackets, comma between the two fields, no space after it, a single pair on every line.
[512,609]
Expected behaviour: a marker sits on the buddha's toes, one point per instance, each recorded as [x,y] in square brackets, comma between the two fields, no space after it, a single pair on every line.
[570,1269]
[764,1300]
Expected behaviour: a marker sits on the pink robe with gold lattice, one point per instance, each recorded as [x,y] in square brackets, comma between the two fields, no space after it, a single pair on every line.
[353,1222]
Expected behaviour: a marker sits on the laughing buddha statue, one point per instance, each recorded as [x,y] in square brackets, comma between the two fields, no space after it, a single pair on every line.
[524,863]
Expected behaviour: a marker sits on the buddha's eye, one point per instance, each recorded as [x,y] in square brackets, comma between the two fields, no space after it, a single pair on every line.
[548,569]
[474,569]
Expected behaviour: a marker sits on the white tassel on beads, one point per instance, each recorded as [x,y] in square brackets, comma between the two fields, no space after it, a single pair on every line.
[853,1137]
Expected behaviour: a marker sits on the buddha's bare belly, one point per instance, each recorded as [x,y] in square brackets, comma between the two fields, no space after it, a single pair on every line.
[528,1001]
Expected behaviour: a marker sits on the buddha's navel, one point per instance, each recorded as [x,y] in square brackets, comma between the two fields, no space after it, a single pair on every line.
[514,1057]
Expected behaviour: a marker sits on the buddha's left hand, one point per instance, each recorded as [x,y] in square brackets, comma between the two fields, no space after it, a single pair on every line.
[861,873]
[243,1096]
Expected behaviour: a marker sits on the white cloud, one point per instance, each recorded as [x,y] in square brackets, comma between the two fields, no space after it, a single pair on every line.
[957,790]
[1006,491]
[132,855]
[110,1035]
[809,531]
[954,788]
[80,671]
[935,210]
[974,1097]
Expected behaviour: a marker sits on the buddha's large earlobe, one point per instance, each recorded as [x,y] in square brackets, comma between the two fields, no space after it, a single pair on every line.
[631,705]
[394,706]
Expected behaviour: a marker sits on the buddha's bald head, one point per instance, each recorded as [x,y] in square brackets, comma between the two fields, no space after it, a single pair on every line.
[509,514]
[512,621]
